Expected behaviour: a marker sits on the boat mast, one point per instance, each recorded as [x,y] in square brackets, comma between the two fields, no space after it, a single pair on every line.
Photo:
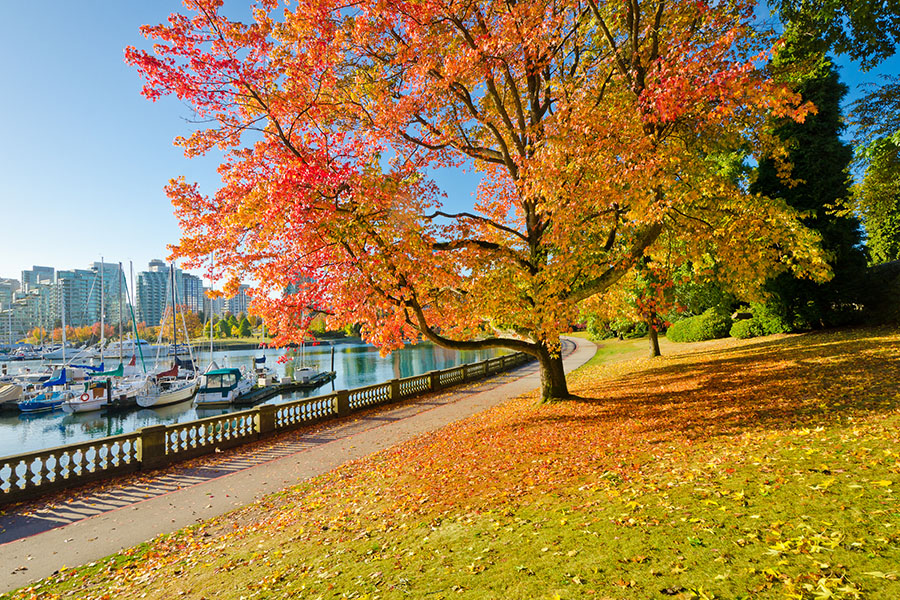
[62,313]
[131,301]
[121,341]
[174,324]
[187,340]
[212,307]
[102,313]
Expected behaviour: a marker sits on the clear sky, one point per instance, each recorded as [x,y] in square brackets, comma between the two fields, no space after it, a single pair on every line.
[83,156]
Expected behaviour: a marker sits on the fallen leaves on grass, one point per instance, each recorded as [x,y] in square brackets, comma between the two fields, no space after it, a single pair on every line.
[757,468]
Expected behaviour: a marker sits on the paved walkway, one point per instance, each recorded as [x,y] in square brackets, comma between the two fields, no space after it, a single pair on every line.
[40,538]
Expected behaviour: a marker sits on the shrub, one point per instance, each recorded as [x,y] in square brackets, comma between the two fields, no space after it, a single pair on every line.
[626,330]
[766,320]
[599,328]
[603,329]
[742,330]
[682,331]
[769,319]
[714,323]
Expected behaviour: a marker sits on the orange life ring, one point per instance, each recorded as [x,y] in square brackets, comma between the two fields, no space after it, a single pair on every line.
[85,397]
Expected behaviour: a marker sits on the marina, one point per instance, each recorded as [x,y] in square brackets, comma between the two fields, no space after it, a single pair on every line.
[355,365]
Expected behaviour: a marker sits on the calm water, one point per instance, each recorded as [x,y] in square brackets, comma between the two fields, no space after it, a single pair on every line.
[356,365]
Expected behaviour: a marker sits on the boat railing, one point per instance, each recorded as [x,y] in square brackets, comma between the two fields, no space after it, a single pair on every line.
[31,474]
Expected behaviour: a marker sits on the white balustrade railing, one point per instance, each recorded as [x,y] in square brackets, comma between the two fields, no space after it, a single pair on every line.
[31,474]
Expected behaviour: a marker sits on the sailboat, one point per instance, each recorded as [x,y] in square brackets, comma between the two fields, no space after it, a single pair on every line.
[309,377]
[95,394]
[129,381]
[49,399]
[93,398]
[167,387]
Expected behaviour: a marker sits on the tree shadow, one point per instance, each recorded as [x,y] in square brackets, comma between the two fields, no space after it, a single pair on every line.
[781,383]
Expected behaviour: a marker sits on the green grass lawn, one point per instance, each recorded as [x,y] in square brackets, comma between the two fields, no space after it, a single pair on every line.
[766,468]
[614,350]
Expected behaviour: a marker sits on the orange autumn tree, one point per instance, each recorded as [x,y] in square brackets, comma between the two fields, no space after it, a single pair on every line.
[591,123]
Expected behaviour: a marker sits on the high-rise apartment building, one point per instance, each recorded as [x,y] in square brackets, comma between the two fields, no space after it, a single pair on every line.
[239,302]
[28,310]
[152,292]
[8,289]
[191,294]
[79,290]
[37,276]
[114,287]
[213,306]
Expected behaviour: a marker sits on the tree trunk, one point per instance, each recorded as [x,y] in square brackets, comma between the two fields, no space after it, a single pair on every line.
[654,341]
[553,377]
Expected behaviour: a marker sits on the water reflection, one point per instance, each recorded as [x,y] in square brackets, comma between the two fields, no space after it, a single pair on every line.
[356,365]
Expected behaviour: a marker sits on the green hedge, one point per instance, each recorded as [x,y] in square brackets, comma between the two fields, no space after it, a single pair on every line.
[748,328]
[766,320]
[712,324]
[602,329]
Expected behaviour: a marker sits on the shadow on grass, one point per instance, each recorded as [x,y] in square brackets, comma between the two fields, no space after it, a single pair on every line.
[797,381]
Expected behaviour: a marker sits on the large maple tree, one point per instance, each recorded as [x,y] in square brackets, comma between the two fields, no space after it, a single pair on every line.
[596,127]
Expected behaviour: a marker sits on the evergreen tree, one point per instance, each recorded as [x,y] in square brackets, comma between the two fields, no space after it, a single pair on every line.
[820,184]
[878,200]
[867,30]
[223,328]
[244,328]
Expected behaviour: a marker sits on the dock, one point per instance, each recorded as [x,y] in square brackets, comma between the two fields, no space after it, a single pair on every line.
[260,394]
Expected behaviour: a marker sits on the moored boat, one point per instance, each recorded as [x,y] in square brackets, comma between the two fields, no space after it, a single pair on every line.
[220,387]
[264,375]
[93,398]
[45,401]
[48,400]
[167,388]
[175,384]
[10,396]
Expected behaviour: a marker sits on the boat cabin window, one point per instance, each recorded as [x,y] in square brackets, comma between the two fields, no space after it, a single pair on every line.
[221,380]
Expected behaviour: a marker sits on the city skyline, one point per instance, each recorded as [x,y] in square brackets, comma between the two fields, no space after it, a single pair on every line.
[47,296]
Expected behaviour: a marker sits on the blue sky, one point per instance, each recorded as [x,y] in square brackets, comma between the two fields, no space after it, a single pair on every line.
[84,157]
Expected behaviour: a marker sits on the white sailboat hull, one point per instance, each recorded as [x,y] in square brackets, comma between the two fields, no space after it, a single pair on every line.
[171,396]
[77,405]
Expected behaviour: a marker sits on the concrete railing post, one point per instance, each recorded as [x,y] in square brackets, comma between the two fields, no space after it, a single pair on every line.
[153,446]
[265,419]
[434,382]
[343,403]
[395,390]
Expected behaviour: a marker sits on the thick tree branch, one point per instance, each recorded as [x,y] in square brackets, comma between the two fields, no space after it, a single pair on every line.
[487,246]
[617,271]
[431,335]
[485,220]
[619,59]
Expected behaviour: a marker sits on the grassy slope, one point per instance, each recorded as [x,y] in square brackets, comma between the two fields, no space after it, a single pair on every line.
[757,469]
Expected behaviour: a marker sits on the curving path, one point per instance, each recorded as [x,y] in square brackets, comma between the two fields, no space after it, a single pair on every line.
[37,539]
